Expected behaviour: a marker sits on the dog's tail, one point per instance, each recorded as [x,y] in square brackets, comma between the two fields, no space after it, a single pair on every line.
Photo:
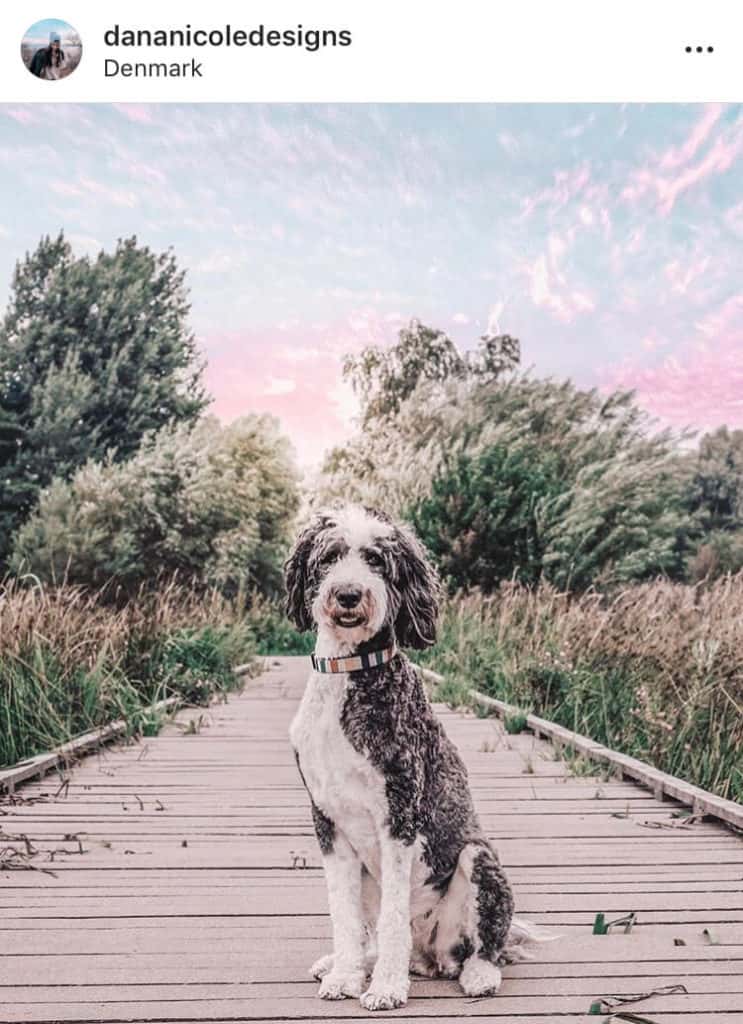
[523,938]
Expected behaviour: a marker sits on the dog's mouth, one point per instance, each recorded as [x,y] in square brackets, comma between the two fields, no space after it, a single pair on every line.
[349,620]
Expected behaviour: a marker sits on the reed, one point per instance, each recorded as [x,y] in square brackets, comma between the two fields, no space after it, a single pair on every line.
[654,670]
[72,659]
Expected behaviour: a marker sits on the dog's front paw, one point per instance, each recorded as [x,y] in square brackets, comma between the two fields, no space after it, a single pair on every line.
[321,967]
[340,984]
[386,995]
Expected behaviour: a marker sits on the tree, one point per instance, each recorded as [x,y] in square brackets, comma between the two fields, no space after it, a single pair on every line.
[385,377]
[481,520]
[549,482]
[510,475]
[214,504]
[715,499]
[94,353]
[13,495]
[716,492]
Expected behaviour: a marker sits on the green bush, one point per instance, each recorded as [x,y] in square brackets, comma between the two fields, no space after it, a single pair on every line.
[213,504]
[271,631]
[481,520]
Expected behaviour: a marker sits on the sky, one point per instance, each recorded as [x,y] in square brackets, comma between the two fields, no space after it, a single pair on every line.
[38,33]
[606,238]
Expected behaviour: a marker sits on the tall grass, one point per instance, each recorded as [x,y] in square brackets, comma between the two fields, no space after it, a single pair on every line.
[71,659]
[654,671]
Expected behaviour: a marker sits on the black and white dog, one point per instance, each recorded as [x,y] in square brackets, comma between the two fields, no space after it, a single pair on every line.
[413,883]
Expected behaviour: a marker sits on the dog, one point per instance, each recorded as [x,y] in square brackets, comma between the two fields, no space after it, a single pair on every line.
[413,883]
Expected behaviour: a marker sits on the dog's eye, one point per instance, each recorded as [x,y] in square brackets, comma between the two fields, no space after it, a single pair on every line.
[374,559]
[329,557]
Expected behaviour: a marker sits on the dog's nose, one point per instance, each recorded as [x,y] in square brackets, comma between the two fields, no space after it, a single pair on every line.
[348,598]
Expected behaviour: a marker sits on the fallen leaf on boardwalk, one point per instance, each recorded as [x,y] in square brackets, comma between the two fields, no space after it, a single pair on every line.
[605,1006]
[601,926]
[678,824]
[633,1018]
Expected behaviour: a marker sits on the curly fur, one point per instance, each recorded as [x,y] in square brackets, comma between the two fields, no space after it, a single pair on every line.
[413,883]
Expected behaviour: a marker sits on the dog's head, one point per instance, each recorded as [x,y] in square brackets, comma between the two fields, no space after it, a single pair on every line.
[354,571]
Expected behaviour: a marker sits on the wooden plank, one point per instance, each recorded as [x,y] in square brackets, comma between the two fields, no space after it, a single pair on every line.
[283,1005]
[311,899]
[188,968]
[250,990]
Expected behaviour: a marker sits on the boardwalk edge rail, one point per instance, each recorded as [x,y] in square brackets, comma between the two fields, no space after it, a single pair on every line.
[661,784]
[65,754]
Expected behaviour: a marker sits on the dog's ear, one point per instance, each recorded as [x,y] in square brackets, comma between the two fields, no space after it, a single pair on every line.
[420,593]
[295,574]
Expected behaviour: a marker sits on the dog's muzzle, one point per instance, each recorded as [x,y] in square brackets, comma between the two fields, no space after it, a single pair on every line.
[349,606]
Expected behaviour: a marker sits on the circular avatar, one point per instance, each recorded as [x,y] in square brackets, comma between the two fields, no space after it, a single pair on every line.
[51,49]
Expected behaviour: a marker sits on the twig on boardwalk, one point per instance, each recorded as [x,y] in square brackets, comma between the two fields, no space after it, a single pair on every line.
[13,859]
[607,1004]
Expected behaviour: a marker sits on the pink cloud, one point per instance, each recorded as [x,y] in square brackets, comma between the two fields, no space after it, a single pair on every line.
[549,287]
[90,187]
[293,374]
[702,386]
[658,179]
[722,320]
[567,185]
[21,115]
[677,157]
[135,112]
[681,275]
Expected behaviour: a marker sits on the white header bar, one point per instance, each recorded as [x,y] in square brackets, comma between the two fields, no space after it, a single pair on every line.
[409,50]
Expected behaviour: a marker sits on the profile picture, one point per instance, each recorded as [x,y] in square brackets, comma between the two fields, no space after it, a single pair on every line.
[51,49]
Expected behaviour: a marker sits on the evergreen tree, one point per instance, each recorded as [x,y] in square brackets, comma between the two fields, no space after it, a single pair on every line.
[94,353]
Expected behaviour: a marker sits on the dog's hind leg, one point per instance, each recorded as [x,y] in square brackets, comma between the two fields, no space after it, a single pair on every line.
[492,898]
[473,921]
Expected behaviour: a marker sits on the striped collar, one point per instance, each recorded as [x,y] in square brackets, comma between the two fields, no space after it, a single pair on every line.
[357,662]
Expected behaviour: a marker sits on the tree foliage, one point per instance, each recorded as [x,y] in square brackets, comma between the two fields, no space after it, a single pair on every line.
[554,483]
[510,476]
[716,491]
[478,532]
[94,353]
[212,503]
[385,377]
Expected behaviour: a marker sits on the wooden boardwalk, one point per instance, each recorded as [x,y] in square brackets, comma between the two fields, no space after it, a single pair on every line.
[199,896]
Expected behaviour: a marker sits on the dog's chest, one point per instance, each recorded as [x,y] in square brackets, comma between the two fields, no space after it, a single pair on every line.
[343,783]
